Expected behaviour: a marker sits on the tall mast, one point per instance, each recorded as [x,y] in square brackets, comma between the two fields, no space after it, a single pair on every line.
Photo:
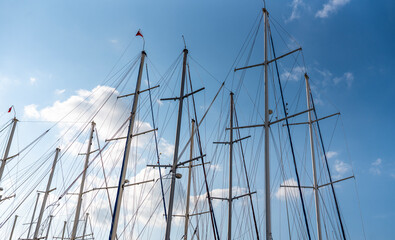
[49,227]
[40,216]
[86,222]
[13,227]
[115,216]
[230,168]
[189,183]
[64,229]
[176,146]
[7,150]
[267,131]
[79,203]
[34,212]
[315,186]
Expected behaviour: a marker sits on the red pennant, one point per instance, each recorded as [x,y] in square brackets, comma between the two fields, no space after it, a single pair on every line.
[9,110]
[139,34]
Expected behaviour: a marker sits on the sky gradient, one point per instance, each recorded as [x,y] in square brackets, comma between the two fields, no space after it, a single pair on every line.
[51,49]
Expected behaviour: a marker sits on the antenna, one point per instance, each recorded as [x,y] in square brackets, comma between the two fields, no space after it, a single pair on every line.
[185,45]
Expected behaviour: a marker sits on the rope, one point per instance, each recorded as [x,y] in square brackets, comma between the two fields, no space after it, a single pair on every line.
[290,142]
[156,145]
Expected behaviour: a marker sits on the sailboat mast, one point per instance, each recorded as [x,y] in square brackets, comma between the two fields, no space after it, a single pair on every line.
[189,183]
[267,131]
[64,229]
[13,227]
[79,203]
[34,212]
[40,216]
[230,168]
[49,227]
[315,186]
[176,146]
[7,150]
[86,222]
[115,216]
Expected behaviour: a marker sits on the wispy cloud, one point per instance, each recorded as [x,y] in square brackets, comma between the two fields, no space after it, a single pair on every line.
[296,5]
[60,91]
[284,192]
[31,111]
[331,154]
[330,7]
[341,168]
[32,80]
[294,75]
[114,41]
[375,167]
[347,78]
[159,102]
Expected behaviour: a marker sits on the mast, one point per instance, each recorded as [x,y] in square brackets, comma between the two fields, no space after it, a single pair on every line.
[176,146]
[64,230]
[79,203]
[267,131]
[86,221]
[115,216]
[315,185]
[7,150]
[189,183]
[13,227]
[40,216]
[49,226]
[230,168]
[34,211]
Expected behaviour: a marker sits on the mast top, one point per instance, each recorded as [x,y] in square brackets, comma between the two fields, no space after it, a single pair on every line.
[265,11]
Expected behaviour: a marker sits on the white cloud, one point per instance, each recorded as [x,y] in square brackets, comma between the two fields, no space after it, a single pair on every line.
[330,7]
[341,168]
[347,77]
[32,80]
[326,76]
[30,111]
[284,192]
[377,162]
[114,41]
[296,74]
[100,105]
[375,168]
[296,5]
[160,103]
[331,154]
[60,91]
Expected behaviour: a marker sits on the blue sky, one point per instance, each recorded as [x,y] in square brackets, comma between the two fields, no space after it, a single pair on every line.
[49,50]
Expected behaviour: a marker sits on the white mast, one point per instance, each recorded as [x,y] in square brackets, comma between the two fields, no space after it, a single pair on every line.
[79,203]
[34,212]
[64,229]
[230,168]
[7,150]
[121,183]
[13,227]
[49,226]
[189,183]
[40,216]
[86,221]
[267,131]
[315,186]
[176,146]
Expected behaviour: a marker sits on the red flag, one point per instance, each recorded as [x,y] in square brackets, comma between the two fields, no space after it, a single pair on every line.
[139,34]
[9,110]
